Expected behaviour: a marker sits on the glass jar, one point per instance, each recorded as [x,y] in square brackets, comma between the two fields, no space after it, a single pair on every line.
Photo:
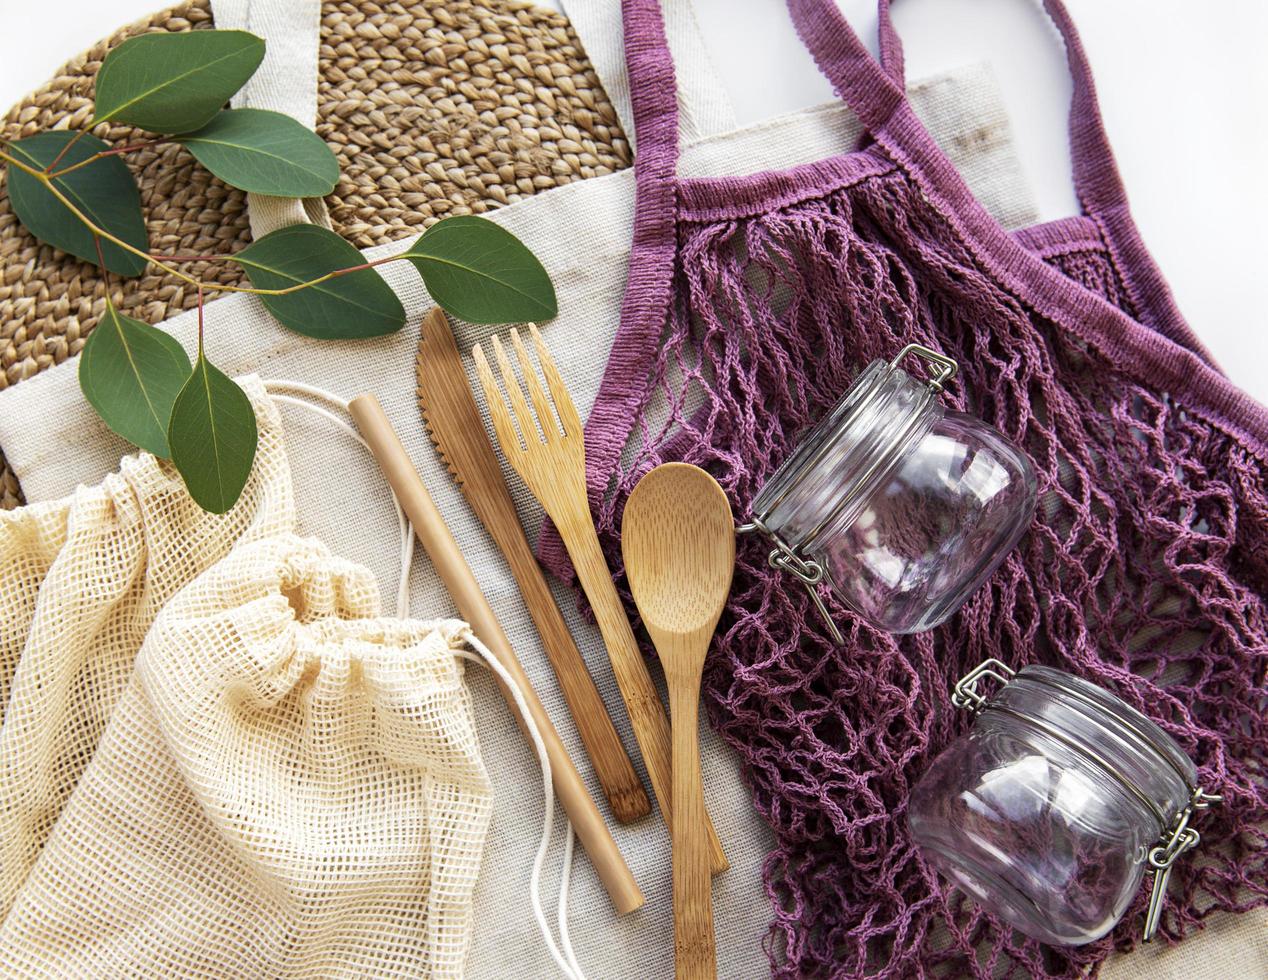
[1050,810]
[900,505]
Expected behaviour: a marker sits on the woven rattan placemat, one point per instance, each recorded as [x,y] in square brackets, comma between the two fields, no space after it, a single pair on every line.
[434,107]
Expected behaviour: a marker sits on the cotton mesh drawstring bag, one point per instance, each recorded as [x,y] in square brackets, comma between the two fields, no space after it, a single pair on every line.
[290,786]
[81,580]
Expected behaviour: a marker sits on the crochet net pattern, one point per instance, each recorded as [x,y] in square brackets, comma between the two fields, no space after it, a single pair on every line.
[1145,570]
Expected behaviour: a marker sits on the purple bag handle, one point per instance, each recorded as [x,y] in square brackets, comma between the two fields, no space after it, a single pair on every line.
[872,90]
[1096,178]
[868,90]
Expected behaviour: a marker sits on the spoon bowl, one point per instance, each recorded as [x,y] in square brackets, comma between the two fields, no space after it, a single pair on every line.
[678,538]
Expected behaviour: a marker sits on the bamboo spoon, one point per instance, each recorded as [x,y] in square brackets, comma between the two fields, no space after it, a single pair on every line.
[678,539]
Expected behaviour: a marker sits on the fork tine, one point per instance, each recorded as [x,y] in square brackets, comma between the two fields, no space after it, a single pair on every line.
[502,424]
[564,404]
[545,414]
[523,414]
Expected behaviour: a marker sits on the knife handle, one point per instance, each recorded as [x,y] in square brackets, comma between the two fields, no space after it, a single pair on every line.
[457,430]
[612,765]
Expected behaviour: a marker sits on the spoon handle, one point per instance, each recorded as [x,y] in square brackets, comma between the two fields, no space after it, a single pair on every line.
[647,715]
[694,952]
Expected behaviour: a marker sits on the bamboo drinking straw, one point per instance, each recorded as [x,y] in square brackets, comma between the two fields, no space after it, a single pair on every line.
[474,608]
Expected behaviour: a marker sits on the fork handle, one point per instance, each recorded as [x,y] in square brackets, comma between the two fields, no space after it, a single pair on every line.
[647,714]
[612,766]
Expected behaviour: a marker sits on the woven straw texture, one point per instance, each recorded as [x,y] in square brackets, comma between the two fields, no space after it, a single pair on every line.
[318,766]
[433,107]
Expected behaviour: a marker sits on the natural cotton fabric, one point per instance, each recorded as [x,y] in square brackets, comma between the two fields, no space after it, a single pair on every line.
[290,786]
[81,580]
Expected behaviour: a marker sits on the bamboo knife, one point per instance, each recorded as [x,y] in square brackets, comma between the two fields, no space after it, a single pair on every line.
[457,430]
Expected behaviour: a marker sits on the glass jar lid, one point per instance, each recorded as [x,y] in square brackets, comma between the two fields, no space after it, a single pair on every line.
[864,436]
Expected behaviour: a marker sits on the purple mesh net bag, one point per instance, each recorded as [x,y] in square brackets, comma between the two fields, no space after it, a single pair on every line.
[751,304]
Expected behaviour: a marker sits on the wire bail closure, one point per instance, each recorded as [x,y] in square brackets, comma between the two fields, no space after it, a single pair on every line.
[1178,838]
[947,366]
[809,572]
[786,558]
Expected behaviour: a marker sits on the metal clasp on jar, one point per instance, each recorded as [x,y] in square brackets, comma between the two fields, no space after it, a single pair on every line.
[1178,839]
[1175,840]
[807,570]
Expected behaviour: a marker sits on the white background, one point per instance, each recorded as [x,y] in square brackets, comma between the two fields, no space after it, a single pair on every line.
[1183,86]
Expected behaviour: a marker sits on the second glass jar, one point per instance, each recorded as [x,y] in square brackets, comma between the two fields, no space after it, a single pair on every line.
[1052,808]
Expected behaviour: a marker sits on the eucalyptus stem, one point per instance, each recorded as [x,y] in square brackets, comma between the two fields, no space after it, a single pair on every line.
[65,149]
[200,321]
[101,261]
[112,152]
[158,260]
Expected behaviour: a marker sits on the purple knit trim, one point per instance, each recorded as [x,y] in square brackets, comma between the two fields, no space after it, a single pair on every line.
[655,104]
[751,304]
[1149,356]
[700,199]
[1097,182]
[1073,233]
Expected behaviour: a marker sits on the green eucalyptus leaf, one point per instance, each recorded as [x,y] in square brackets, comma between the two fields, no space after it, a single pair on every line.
[174,82]
[213,437]
[357,304]
[131,373]
[104,191]
[481,273]
[266,153]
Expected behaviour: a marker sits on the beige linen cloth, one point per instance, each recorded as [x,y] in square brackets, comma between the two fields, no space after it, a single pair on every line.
[582,234]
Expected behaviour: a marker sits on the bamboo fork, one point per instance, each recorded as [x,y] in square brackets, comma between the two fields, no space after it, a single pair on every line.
[551,460]
[454,423]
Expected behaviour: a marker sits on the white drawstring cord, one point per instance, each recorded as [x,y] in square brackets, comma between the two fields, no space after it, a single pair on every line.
[565,874]
[407,533]
[566,959]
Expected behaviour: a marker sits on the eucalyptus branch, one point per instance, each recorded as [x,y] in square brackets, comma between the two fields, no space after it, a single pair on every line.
[139,378]
[92,226]
[159,260]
